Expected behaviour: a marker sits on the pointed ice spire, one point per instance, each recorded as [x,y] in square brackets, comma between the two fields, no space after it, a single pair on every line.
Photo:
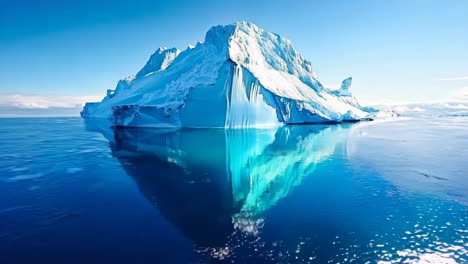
[160,60]
[346,84]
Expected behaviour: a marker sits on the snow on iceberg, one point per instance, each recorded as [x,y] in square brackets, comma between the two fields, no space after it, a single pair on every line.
[240,76]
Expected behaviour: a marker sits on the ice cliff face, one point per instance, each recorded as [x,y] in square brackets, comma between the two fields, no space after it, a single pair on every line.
[240,76]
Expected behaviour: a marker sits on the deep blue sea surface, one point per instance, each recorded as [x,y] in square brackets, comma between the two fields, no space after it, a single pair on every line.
[76,191]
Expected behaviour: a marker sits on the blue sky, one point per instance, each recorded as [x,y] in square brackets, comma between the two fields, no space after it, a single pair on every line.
[396,51]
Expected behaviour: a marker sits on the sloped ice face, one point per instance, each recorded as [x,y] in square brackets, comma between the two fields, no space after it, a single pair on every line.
[241,76]
[261,51]
[159,61]
[89,109]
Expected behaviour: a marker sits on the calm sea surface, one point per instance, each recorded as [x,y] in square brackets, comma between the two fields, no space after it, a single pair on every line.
[75,191]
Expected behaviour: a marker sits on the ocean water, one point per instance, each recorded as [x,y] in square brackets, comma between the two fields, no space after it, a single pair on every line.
[75,191]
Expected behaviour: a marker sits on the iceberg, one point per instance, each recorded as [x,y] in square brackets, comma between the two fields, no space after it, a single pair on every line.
[241,76]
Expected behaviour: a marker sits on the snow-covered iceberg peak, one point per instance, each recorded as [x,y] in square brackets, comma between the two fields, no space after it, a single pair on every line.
[257,49]
[160,60]
[240,76]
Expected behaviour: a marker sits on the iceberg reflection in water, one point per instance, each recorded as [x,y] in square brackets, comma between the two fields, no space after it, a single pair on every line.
[213,184]
[237,194]
[378,192]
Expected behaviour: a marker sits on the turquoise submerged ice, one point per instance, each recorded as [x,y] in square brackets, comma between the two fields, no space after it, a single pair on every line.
[240,76]
[79,191]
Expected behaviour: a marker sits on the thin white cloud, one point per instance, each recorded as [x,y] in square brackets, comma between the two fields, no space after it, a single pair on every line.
[462,94]
[462,78]
[44,101]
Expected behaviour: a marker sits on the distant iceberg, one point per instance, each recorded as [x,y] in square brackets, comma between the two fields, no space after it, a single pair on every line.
[241,76]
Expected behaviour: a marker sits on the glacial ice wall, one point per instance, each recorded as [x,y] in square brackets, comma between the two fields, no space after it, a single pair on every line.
[246,105]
